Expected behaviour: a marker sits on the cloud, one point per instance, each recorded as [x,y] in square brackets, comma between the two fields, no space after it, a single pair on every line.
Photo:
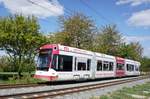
[38,8]
[141,18]
[132,2]
[136,38]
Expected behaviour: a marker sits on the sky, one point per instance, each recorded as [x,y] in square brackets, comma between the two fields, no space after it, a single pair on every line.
[132,17]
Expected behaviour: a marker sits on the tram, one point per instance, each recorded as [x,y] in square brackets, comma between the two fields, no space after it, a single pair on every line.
[58,62]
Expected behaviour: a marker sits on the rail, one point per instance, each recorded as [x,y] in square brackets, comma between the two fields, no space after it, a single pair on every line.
[63,91]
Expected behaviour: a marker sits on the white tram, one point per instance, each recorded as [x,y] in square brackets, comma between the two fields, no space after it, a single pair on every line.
[58,62]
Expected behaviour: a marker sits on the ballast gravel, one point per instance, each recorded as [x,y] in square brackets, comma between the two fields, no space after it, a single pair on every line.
[102,91]
[79,95]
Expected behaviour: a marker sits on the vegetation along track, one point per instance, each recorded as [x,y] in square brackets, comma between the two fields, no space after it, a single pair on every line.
[57,92]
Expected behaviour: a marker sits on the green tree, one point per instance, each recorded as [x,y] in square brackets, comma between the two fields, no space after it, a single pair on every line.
[108,40]
[76,30]
[20,37]
[145,64]
[132,50]
[5,64]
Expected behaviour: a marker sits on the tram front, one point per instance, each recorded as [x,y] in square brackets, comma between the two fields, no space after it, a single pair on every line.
[45,58]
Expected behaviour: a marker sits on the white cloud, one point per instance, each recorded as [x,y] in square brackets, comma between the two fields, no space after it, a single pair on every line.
[38,8]
[132,2]
[141,18]
[136,38]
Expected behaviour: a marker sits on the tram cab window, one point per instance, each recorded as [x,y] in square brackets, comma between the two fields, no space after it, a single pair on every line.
[99,65]
[44,59]
[62,63]
[120,66]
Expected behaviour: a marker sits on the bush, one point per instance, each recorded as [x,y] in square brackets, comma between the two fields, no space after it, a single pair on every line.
[5,64]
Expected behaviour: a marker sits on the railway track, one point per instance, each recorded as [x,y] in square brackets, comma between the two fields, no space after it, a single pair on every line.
[8,86]
[63,91]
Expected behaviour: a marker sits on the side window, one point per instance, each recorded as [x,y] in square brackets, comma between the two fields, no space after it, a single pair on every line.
[105,66]
[133,67]
[65,63]
[88,64]
[136,68]
[111,64]
[120,66]
[99,65]
[130,67]
[75,62]
[81,66]
[54,62]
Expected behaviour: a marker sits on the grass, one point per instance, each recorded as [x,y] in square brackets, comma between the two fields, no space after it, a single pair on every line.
[14,79]
[136,92]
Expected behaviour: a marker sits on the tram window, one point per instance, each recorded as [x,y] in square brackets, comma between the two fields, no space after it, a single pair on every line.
[43,68]
[88,64]
[99,65]
[81,66]
[130,67]
[105,66]
[44,60]
[136,68]
[111,66]
[75,60]
[64,63]
[54,62]
[120,66]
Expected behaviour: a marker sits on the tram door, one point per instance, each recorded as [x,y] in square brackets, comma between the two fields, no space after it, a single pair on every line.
[82,68]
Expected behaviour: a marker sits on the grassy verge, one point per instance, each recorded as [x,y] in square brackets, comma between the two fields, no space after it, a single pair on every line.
[136,92]
[12,78]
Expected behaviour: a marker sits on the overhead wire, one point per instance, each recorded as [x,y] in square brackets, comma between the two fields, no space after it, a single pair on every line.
[96,12]
[68,11]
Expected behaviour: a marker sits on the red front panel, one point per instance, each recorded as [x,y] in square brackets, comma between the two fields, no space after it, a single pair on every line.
[120,60]
[49,78]
[120,70]
[54,47]
[120,73]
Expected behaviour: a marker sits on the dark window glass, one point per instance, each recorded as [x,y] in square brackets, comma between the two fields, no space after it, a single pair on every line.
[120,66]
[99,65]
[81,66]
[75,60]
[130,67]
[105,66]
[44,59]
[88,64]
[136,68]
[62,63]
[111,66]
[54,62]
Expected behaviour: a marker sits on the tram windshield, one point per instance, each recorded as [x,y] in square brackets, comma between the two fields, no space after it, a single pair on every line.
[44,59]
